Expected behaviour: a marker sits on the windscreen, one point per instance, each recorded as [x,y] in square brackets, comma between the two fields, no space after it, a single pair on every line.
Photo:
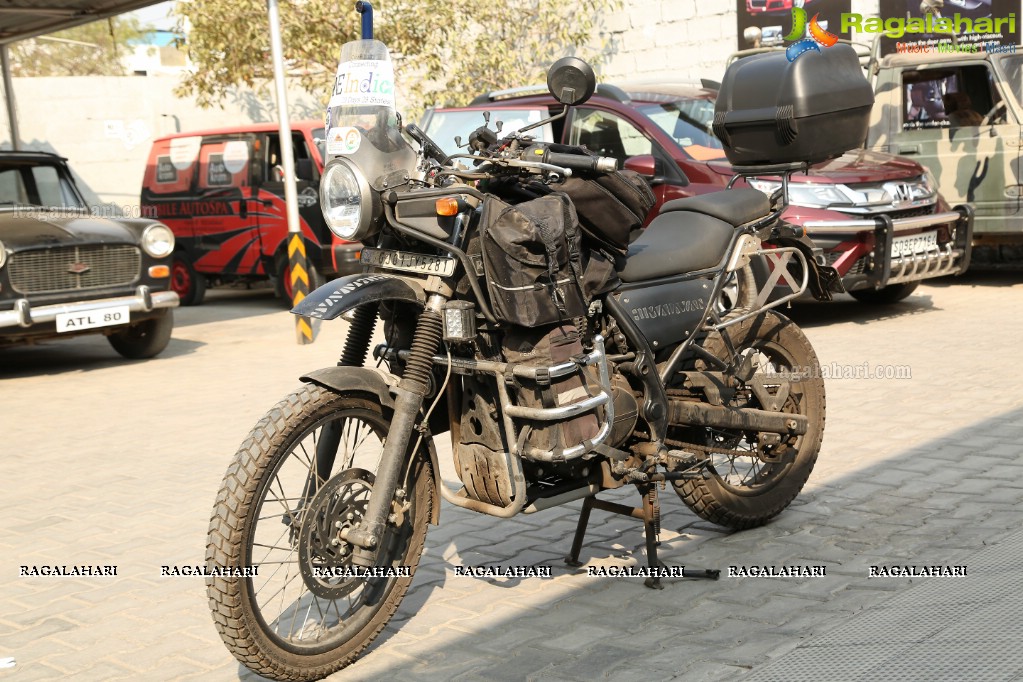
[1013,67]
[443,126]
[362,123]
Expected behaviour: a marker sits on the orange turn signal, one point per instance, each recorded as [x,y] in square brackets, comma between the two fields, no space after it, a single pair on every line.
[159,271]
[447,206]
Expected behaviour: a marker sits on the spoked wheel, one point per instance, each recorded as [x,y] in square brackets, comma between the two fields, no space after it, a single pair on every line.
[754,476]
[298,484]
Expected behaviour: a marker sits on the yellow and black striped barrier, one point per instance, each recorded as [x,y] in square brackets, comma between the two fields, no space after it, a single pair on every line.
[298,272]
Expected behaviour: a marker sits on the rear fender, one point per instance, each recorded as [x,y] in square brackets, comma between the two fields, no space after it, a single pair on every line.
[347,293]
[376,383]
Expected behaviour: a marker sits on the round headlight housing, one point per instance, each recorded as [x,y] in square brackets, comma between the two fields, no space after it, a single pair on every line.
[345,200]
[3,255]
[158,241]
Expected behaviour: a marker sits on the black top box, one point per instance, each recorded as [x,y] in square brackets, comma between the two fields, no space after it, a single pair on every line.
[773,111]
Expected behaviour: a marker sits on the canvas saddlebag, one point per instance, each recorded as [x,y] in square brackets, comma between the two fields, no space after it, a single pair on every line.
[611,207]
[532,260]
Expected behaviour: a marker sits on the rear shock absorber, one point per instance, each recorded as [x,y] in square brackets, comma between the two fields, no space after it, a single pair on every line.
[359,335]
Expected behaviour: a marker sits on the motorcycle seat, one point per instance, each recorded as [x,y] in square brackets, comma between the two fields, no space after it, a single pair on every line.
[734,206]
[676,243]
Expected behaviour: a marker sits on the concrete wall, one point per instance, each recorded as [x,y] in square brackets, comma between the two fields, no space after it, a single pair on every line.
[104,125]
[679,39]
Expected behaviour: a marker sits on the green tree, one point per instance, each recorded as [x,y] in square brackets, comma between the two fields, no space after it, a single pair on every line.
[96,49]
[444,51]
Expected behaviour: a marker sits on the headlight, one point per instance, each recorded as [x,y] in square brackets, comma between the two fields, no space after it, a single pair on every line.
[816,196]
[804,194]
[929,183]
[345,200]
[768,187]
[158,241]
[3,255]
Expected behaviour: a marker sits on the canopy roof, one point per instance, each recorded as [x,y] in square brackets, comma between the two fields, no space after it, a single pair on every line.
[20,19]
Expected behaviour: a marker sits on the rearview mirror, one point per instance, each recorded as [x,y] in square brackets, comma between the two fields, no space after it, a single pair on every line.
[571,81]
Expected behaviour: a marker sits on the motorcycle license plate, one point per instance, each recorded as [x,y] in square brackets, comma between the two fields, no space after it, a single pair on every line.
[914,243]
[409,262]
[102,317]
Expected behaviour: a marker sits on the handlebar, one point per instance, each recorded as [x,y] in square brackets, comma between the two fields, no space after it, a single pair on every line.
[580,162]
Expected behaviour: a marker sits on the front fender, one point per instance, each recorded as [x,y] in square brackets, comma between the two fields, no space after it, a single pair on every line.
[373,381]
[347,293]
[370,380]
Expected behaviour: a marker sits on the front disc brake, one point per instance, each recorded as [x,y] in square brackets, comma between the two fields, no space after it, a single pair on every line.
[324,559]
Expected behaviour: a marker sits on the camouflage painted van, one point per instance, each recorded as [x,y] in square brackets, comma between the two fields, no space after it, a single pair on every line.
[959,115]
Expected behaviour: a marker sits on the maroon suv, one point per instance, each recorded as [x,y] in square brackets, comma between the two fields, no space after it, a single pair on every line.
[878,218]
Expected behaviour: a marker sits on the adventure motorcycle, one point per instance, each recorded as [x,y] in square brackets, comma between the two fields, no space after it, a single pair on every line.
[563,360]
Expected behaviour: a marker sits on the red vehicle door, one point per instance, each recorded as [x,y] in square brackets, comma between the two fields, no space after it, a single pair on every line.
[224,242]
[271,208]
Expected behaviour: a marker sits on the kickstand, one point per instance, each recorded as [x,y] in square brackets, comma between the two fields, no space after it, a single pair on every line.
[650,514]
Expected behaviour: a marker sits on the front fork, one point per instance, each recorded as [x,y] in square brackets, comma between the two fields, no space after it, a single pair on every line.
[408,402]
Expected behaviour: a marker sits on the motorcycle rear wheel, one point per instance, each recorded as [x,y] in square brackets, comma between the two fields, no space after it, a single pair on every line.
[283,504]
[745,491]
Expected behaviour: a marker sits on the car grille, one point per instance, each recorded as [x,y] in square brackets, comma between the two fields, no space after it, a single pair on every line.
[50,270]
[913,212]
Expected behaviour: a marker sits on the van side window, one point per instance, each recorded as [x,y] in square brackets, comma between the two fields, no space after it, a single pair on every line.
[172,165]
[273,166]
[224,163]
[948,97]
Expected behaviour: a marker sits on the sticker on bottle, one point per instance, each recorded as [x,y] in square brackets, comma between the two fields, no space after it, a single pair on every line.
[344,140]
[366,82]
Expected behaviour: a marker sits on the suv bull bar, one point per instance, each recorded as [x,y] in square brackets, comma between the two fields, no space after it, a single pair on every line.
[950,258]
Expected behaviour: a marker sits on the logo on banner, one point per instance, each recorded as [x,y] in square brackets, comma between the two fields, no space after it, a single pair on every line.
[808,35]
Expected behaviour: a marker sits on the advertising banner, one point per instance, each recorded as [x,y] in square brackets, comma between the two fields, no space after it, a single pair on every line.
[948,25]
[773,19]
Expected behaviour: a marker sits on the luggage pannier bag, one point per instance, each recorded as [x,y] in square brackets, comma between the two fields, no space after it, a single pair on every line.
[532,260]
[544,347]
[770,110]
[611,206]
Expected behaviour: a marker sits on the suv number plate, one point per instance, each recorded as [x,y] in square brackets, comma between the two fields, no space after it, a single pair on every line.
[101,317]
[914,243]
[409,262]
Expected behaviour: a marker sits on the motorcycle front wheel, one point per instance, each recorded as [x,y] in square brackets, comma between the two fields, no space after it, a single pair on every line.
[752,477]
[290,604]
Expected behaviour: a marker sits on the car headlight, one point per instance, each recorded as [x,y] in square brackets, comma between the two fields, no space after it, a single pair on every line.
[816,196]
[768,187]
[345,199]
[929,183]
[158,241]
[3,255]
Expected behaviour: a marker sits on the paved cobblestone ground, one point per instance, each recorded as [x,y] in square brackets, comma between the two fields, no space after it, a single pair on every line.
[112,462]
